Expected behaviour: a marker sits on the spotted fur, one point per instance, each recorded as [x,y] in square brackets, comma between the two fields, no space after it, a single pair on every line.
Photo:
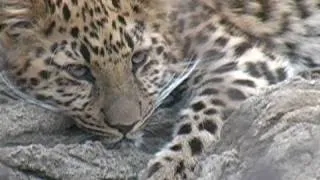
[109,63]
[243,46]
[104,63]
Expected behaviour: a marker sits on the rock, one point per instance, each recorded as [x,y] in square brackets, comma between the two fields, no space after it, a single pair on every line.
[38,144]
[274,136]
[78,161]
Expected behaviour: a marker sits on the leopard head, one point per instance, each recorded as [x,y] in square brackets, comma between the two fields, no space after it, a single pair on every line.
[107,64]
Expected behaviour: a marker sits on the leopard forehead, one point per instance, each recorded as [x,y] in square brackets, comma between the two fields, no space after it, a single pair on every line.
[101,62]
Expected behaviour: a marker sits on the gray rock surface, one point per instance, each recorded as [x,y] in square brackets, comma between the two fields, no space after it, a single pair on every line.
[38,144]
[273,136]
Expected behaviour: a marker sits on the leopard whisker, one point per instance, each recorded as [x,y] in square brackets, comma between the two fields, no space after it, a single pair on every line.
[175,82]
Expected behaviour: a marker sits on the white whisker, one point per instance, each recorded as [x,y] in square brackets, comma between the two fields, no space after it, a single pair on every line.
[175,82]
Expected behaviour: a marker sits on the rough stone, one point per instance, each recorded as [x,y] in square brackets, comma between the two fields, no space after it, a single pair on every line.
[274,136]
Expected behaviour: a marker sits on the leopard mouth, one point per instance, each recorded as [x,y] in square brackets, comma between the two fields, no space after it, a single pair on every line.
[141,124]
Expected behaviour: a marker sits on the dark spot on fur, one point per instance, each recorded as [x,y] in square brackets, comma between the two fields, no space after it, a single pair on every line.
[196,117]
[244,82]
[303,8]
[74,32]
[210,111]
[226,68]
[114,25]
[202,38]
[66,12]
[267,73]
[281,74]
[39,52]
[198,106]
[49,30]
[48,60]
[154,168]
[197,79]
[242,48]
[291,46]
[85,53]
[185,129]
[91,12]
[154,40]
[212,80]
[196,146]
[310,62]
[209,126]
[136,9]
[122,20]
[210,28]
[212,55]
[52,7]
[159,49]
[62,30]
[221,41]
[59,3]
[253,70]
[235,94]
[176,147]
[41,97]
[74,2]
[115,3]
[34,81]
[2,26]
[209,91]
[156,27]
[74,45]
[129,40]
[180,167]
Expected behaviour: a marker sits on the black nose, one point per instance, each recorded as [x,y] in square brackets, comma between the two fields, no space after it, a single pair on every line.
[124,129]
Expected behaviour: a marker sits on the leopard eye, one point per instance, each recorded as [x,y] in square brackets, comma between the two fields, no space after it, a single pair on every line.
[80,72]
[139,57]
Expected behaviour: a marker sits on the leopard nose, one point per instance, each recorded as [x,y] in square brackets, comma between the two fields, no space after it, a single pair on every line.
[124,129]
[122,111]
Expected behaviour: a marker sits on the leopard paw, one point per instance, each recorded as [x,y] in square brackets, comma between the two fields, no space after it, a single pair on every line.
[167,168]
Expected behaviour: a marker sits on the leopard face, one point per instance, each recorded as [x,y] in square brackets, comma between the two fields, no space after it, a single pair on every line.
[106,64]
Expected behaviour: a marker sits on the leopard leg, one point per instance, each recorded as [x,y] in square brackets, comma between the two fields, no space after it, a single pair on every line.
[217,91]
[191,138]
[200,127]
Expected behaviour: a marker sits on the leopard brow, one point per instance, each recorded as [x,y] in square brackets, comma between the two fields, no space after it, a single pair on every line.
[24,96]
[175,82]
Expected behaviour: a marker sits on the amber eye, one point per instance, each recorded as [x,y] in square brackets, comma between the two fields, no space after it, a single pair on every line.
[139,57]
[80,72]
